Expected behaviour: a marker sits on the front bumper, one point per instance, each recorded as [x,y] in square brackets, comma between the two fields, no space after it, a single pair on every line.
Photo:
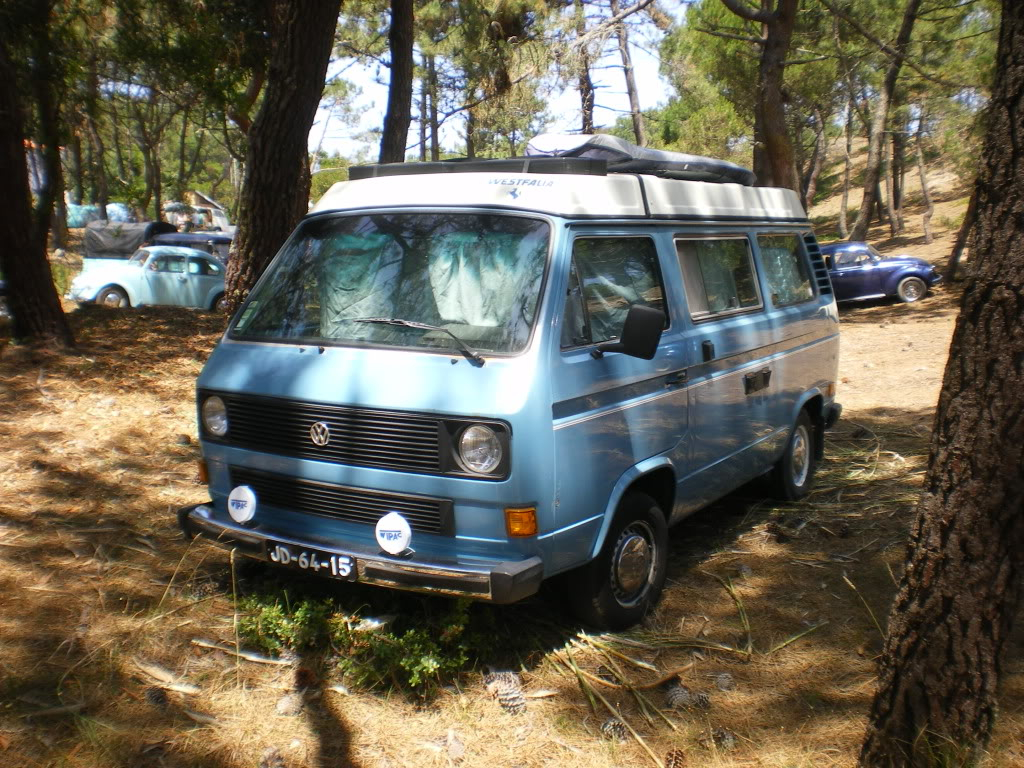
[496,582]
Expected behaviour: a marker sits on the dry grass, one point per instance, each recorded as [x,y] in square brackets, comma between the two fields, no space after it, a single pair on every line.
[100,448]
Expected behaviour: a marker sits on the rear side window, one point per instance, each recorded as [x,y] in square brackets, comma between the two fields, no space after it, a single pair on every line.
[609,275]
[718,274]
[785,269]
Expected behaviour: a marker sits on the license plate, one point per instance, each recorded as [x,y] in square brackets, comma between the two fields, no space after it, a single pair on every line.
[313,560]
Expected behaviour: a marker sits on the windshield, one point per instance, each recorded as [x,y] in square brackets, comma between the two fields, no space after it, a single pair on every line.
[477,276]
[139,257]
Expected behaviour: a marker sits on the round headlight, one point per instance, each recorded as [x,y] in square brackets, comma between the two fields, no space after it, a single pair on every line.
[480,449]
[215,416]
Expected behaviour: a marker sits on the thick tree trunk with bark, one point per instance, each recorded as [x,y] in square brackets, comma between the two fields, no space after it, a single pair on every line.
[954,609]
[773,164]
[627,67]
[399,114]
[873,170]
[275,190]
[895,220]
[33,301]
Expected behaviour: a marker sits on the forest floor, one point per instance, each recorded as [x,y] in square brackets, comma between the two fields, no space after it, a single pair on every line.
[772,610]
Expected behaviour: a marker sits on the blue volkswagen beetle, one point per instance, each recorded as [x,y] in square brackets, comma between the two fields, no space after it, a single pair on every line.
[154,275]
[858,271]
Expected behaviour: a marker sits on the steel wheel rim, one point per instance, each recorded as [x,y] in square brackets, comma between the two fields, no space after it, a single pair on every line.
[912,290]
[801,456]
[633,563]
[112,300]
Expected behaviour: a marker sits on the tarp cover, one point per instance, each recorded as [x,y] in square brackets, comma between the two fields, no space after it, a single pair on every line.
[110,240]
[624,157]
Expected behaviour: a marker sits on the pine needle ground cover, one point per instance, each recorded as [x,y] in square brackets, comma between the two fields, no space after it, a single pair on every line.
[122,645]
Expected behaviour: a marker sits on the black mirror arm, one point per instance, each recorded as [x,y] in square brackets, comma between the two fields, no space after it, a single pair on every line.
[607,346]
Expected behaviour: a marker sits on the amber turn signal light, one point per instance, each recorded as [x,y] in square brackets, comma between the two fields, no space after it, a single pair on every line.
[203,477]
[521,521]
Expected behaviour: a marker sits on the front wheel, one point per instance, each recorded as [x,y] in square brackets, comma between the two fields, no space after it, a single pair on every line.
[623,583]
[219,304]
[112,296]
[794,472]
[911,289]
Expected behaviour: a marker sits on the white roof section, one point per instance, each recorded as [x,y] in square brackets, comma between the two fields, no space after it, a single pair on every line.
[569,195]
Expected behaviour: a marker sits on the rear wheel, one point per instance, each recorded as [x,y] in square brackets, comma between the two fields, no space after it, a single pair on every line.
[113,296]
[623,583]
[794,472]
[911,289]
[220,304]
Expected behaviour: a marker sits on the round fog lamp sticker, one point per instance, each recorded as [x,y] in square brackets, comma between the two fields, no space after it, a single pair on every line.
[393,533]
[242,504]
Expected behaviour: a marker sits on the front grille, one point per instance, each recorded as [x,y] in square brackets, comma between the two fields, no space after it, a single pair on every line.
[354,505]
[361,437]
[820,270]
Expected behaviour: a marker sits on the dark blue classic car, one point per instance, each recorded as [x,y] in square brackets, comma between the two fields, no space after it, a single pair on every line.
[858,271]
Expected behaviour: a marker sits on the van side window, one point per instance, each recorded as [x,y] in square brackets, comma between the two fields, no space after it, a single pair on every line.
[785,269]
[610,274]
[718,275]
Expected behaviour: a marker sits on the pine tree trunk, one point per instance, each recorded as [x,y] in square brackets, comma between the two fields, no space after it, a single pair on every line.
[435,125]
[627,67]
[844,232]
[817,160]
[33,301]
[962,238]
[895,224]
[423,113]
[954,610]
[926,198]
[275,189]
[773,148]
[399,114]
[584,83]
[98,166]
[873,170]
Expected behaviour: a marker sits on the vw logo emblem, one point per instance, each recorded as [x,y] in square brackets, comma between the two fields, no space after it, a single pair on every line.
[319,434]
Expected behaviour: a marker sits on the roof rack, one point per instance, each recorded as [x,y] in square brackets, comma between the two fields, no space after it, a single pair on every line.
[585,166]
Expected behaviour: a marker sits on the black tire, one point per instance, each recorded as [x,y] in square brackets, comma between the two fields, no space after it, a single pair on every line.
[611,597]
[112,296]
[219,303]
[793,474]
[911,289]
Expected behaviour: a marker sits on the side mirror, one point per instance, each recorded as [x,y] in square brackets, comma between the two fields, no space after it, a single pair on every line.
[640,334]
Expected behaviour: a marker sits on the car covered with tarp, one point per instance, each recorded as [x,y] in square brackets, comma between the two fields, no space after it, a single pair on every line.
[119,240]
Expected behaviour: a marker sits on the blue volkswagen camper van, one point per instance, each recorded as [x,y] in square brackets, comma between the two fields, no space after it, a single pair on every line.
[467,378]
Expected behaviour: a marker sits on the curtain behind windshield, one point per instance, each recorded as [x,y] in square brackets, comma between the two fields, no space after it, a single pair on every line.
[476,275]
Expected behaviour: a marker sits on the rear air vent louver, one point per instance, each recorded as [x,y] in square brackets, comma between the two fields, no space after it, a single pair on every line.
[818,263]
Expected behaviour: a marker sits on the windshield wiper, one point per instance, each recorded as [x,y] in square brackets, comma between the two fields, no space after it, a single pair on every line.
[474,357]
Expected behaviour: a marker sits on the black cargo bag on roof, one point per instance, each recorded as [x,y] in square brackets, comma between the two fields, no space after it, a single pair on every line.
[116,240]
[624,157]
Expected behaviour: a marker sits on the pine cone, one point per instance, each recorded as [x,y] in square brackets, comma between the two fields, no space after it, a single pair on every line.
[678,696]
[676,758]
[614,729]
[505,686]
[702,700]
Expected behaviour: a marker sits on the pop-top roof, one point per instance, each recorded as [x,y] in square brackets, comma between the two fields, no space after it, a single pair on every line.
[572,176]
[574,196]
